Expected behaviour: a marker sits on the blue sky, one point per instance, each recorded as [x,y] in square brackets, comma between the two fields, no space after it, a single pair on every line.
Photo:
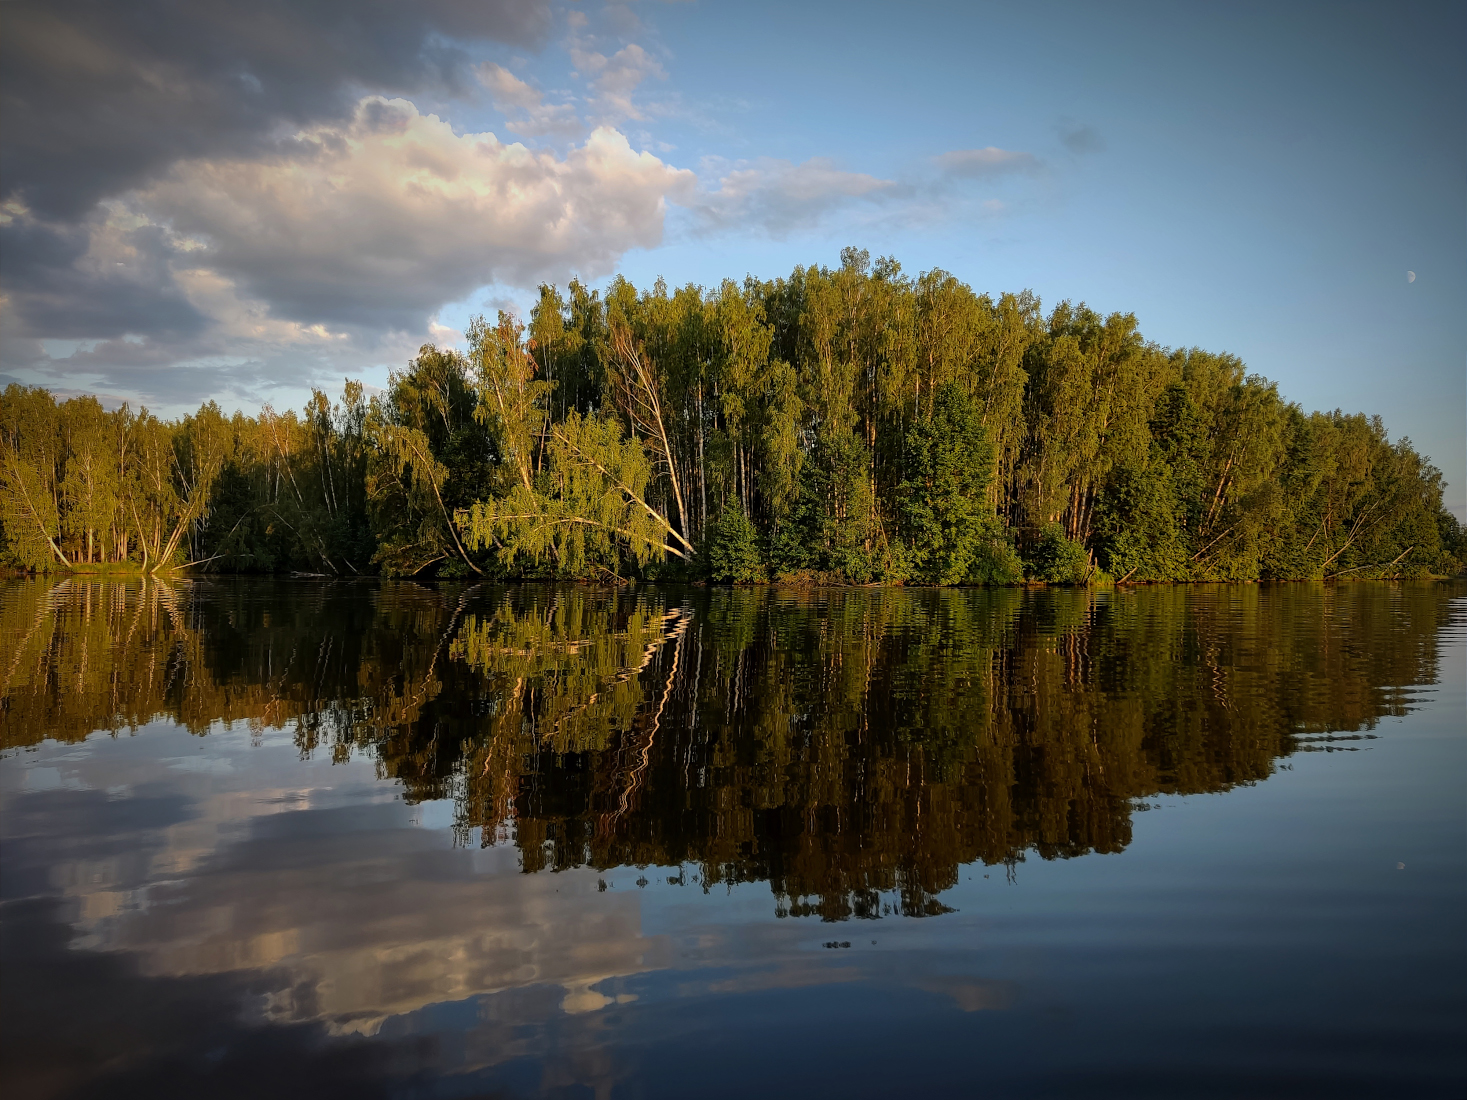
[1255,179]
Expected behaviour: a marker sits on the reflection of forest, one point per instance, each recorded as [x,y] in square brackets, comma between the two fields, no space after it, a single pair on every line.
[854,747]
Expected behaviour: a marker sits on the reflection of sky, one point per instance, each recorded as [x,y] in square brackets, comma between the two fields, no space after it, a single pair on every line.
[1275,914]
[232,857]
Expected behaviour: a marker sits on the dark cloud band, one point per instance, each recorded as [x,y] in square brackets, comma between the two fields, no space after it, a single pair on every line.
[97,97]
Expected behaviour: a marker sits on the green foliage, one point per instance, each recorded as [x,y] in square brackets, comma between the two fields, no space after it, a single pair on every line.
[732,552]
[851,425]
[292,494]
[1055,559]
[1452,536]
[837,525]
[994,560]
[585,511]
[31,456]
[943,503]
[1139,526]
[428,451]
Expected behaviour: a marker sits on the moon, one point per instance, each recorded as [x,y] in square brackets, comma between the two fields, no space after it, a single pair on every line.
[1410,276]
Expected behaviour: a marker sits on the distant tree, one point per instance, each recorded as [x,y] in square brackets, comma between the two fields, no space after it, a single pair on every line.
[31,473]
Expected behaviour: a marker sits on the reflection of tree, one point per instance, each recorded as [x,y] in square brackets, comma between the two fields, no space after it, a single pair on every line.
[564,678]
[854,748]
[79,657]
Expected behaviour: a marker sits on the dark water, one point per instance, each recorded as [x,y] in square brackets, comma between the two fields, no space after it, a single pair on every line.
[279,839]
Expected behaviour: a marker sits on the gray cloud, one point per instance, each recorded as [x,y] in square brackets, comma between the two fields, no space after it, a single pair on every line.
[91,280]
[173,375]
[98,97]
[247,277]
[1078,138]
[208,199]
[214,199]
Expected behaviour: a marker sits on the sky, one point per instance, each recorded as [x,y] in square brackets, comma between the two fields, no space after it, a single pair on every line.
[229,202]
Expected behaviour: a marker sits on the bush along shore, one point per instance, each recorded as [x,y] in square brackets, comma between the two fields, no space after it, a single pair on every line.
[850,425]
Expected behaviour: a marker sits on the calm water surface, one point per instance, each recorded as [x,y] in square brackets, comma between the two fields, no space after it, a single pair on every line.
[263,838]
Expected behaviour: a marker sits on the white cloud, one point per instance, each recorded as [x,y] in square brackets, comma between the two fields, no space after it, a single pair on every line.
[250,267]
[13,210]
[378,222]
[987,162]
[513,96]
[507,89]
[244,268]
[780,196]
[335,258]
[615,79]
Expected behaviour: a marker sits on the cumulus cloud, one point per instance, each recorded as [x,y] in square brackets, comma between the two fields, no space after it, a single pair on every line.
[987,162]
[335,252]
[615,79]
[379,222]
[374,223]
[102,100]
[779,196]
[536,118]
[204,199]
[99,96]
[104,276]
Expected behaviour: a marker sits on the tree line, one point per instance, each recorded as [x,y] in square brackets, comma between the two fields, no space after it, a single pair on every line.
[850,425]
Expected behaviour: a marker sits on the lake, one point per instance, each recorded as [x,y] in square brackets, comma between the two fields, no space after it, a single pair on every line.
[289,838]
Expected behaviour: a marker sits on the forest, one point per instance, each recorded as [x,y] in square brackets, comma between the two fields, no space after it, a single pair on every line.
[848,425]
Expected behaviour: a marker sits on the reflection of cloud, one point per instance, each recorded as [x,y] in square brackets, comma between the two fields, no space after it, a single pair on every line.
[970,994]
[580,997]
[799,975]
[303,883]
[214,867]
